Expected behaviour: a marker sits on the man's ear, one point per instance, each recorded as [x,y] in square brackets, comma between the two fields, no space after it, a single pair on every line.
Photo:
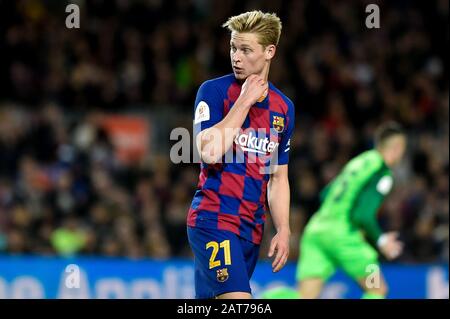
[270,51]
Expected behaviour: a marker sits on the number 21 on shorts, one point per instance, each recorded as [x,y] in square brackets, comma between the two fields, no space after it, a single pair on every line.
[225,245]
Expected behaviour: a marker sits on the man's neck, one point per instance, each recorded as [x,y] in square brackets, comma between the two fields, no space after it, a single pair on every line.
[383,156]
[265,72]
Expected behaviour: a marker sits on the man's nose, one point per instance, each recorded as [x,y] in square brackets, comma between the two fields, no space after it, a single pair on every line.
[236,57]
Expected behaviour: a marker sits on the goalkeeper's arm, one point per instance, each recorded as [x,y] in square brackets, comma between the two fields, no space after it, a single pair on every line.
[364,212]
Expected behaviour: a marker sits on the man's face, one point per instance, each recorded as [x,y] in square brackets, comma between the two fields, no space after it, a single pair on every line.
[397,147]
[247,55]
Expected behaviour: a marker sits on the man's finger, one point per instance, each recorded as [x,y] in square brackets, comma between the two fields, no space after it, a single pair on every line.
[278,266]
[277,259]
[394,254]
[394,234]
[272,248]
[281,263]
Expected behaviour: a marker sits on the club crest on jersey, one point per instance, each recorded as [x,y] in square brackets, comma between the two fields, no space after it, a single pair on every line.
[278,123]
[222,274]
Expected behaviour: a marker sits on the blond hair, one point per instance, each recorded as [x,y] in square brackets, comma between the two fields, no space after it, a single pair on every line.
[267,26]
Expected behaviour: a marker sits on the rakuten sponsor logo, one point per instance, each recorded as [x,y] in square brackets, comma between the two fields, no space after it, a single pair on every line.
[251,143]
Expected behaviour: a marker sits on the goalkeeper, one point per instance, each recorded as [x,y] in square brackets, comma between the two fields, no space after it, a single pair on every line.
[344,232]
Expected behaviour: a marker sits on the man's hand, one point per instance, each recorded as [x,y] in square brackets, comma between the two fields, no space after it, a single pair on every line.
[280,246]
[389,245]
[254,89]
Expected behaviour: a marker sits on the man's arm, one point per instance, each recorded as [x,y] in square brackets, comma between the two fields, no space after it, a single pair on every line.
[364,214]
[278,195]
[323,193]
[215,141]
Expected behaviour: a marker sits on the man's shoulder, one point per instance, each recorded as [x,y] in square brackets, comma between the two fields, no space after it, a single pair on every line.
[285,98]
[370,162]
[219,83]
[372,157]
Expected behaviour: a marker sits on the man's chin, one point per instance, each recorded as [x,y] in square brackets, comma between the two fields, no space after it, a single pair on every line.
[240,76]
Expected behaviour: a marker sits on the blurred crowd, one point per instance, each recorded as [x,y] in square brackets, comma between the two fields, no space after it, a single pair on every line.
[64,191]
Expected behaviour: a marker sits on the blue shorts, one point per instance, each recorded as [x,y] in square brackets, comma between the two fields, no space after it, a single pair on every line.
[224,262]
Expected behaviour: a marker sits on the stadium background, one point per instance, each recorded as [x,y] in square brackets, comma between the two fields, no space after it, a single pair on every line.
[86,115]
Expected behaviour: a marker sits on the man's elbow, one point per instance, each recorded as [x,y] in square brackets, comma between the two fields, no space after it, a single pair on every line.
[210,151]
[209,157]
[359,221]
[205,148]
[210,154]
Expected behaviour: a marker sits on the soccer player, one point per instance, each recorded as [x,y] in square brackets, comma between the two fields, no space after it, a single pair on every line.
[344,232]
[243,125]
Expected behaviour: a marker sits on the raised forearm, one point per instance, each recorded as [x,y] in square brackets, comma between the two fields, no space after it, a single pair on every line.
[215,141]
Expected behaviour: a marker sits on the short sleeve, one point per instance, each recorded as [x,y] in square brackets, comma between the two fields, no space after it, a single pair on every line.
[208,109]
[285,144]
